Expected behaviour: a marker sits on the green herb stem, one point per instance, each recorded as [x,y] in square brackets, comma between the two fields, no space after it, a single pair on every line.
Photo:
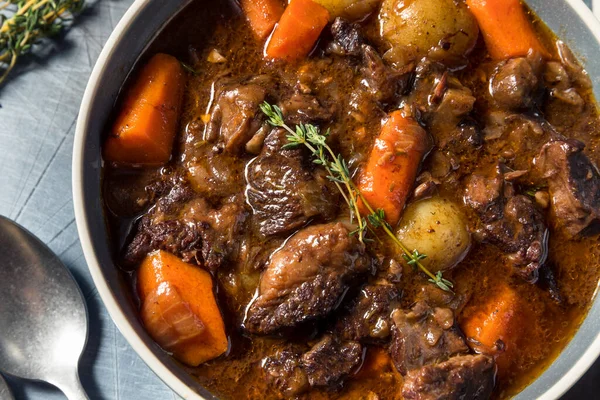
[311,137]
[32,21]
[301,137]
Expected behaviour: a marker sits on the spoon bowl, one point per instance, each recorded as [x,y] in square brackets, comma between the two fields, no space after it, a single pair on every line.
[43,317]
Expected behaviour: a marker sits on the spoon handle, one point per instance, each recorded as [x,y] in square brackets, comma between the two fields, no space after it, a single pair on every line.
[70,385]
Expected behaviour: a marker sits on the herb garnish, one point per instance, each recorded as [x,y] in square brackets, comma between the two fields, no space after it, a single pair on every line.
[31,21]
[315,141]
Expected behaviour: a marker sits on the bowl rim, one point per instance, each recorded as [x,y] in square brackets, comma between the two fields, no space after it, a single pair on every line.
[119,318]
[560,387]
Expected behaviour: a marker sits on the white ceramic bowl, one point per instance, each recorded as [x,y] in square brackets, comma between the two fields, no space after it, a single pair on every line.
[570,19]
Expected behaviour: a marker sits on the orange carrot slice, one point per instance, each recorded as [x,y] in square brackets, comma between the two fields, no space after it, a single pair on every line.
[179,309]
[500,318]
[262,15]
[298,30]
[393,165]
[377,361]
[146,126]
[170,320]
[506,29]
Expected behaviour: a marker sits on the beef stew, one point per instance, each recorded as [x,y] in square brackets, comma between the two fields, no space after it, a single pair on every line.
[372,200]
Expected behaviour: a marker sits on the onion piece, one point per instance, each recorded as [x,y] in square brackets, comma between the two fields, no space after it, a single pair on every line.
[215,57]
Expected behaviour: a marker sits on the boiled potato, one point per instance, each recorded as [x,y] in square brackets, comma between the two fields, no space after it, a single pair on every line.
[351,9]
[435,227]
[414,27]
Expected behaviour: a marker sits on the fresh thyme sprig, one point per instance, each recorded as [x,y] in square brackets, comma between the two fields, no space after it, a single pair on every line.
[31,21]
[311,137]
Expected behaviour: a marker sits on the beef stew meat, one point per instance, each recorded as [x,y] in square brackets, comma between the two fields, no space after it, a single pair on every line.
[284,190]
[296,134]
[461,377]
[326,364]
[307,278]
[573,183]
[329,361]
[510,221]
[367,316]
[424,335]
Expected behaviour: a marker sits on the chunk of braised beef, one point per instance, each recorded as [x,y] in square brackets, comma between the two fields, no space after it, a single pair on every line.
[183,240]
[391,269]
[172,202]
[214,173]
[515,82]
[522,234]
[283,370]
[510,222]
[469,377]
[563,97]
[196,233]
[456,102]
[329,361]
[236,116]
[223,238]
[381,81]
[443,101]
[466,140]
[303,108]
[567,84]
[169,190]
[574,184]
[485,196]
[325,365]
[307,278]
[286,190]
[367,317]
[555,76]
[436,297]
[160,229]
[347,36]
[424,335]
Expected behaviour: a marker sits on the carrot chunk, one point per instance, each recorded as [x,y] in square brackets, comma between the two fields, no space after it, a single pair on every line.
[298,30]
[393,165]
[171,321]
[262,15]
[497,324]
[179,309]
[377,361]
[506,29]
[145,128]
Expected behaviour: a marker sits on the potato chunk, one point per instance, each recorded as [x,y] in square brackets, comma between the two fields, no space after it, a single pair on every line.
[436,227]
[414,27]
[351,9]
